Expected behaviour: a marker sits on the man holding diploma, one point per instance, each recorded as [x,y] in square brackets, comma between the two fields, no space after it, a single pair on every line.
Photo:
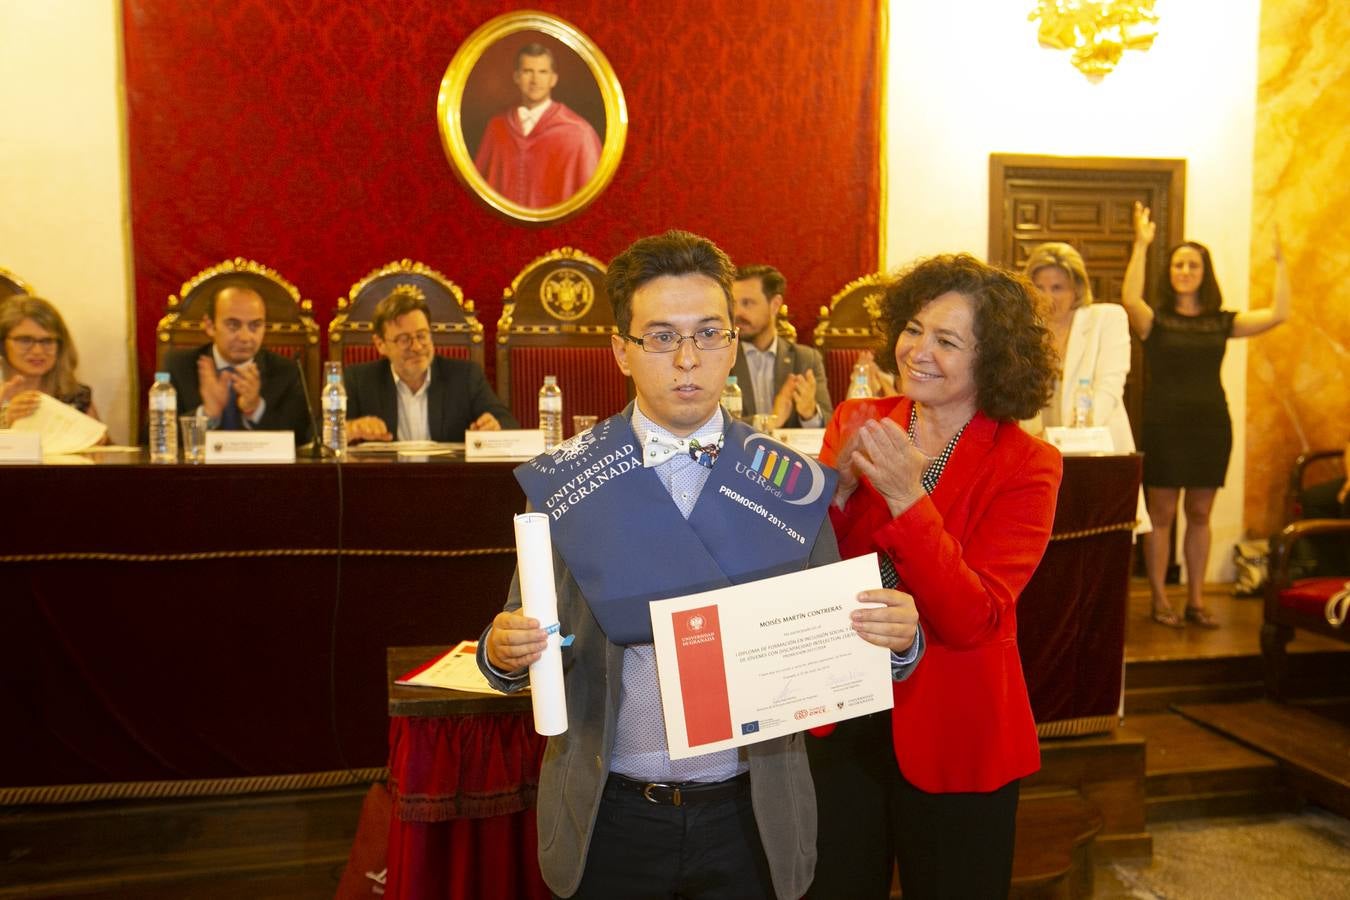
[668,498]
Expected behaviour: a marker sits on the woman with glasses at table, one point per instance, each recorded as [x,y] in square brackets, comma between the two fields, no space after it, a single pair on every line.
[39,358]
[958,502]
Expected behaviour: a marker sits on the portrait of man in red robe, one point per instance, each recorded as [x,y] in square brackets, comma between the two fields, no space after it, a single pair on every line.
[540,152]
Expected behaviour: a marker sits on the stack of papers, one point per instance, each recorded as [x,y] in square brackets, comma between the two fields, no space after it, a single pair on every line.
[62,429]
[456,670]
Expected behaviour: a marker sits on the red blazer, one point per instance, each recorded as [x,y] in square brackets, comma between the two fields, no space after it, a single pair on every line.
[962,721]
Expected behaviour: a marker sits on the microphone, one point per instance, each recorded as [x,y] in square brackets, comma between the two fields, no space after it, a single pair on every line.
[316,447]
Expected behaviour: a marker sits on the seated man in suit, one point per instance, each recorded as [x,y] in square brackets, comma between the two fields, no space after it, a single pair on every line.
[775,376]
[233,380]
[413,394]
[617,817]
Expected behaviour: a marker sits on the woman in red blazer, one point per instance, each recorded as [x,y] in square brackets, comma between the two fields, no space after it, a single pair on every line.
[951,493]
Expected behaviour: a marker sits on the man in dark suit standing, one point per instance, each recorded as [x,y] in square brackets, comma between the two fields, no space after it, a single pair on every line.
[235,382]
[413,394]
[775,376]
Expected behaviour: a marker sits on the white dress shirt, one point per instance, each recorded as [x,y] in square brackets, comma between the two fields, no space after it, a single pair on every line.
[414,423]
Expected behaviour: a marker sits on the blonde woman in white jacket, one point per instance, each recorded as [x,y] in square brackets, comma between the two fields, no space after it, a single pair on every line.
[1093,340]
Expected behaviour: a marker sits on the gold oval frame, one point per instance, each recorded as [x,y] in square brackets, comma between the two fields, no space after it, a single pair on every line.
[450,99]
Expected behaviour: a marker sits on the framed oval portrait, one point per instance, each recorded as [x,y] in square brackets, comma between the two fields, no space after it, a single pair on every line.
[532,117]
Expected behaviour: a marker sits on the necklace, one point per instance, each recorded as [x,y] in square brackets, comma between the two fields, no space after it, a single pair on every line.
[933,471]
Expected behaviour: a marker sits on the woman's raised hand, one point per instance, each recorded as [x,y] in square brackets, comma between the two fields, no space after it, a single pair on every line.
[1144,227]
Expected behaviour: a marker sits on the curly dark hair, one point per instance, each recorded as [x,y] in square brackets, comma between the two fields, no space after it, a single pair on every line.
[1208,295]
[1015,363]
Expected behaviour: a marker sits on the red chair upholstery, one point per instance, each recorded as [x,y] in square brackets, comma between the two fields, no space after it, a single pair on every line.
[11,284]
[556,320]
[846,328]
[455,330]
[1298,603]
[291,329]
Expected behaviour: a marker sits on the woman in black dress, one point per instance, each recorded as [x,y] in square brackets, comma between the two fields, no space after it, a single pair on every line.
[1187,434]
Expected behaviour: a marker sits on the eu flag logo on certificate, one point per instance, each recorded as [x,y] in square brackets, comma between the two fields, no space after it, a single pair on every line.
[749,727]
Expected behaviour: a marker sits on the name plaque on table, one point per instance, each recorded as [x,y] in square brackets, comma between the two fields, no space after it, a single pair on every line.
[20,446]
[514,443]
[803,440]
[250,446]
[1080,441]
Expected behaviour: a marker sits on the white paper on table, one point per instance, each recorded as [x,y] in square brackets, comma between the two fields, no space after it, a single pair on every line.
[402,446]
[64,429]
[457,669]
[539,600]
[761,660]
[805,440]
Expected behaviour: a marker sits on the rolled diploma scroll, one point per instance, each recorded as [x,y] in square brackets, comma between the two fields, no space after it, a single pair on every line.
[539,600]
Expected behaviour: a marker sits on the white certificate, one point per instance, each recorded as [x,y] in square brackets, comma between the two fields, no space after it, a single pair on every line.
[756,661]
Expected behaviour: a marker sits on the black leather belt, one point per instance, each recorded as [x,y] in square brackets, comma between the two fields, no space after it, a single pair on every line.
[682,793]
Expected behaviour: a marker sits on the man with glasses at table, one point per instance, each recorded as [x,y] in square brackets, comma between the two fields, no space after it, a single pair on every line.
[412,394]
[234,381]
[645,506]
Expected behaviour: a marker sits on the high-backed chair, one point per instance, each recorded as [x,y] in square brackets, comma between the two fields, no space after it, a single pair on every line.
[11,284]
[847,327]
[291,329]
[455,330]
[556,320]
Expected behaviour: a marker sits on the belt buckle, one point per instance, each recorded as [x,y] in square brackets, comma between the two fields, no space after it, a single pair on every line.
[647,792]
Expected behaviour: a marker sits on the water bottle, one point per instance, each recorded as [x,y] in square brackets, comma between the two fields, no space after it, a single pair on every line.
[333,399]
[857,382]
[731,397]
[550,412]
[1082,404]
[163,420]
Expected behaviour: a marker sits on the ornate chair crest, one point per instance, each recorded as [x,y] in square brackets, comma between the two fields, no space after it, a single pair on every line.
[291,329]
[11,284]
[556,320]
[847,327]
[455,330]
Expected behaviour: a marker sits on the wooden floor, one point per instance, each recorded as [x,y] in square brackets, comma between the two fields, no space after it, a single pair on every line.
[1240,634]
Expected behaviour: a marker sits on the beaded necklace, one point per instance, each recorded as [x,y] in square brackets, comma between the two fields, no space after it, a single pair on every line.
[934,470]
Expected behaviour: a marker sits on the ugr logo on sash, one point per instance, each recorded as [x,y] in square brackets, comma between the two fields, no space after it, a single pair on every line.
[783,472]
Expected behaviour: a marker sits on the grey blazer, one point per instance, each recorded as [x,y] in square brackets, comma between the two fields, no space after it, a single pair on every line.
[790,359]
[576,763]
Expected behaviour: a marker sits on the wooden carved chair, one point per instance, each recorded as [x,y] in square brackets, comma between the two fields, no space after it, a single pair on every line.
[556,320]
[455,330]
[847,327]
[11,284]
[291,329]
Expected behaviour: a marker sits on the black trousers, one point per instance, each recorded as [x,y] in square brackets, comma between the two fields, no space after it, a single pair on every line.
[957,846]
[644,851]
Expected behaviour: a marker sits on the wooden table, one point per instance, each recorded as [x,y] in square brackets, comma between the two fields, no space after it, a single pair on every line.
[463,773]
[174,622]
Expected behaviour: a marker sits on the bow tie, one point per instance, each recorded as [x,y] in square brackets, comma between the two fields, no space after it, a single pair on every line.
[658,448]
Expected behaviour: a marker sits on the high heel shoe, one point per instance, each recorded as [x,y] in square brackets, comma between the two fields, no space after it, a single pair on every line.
[1198,615]
[1166,616]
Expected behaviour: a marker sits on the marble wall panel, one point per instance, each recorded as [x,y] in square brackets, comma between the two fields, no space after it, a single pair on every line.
[1298,376]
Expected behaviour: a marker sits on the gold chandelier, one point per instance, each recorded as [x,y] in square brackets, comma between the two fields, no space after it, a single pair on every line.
[1097,31]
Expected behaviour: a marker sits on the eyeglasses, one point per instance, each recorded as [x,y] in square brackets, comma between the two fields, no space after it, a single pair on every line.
[25,342]
[670,341]
[404,341]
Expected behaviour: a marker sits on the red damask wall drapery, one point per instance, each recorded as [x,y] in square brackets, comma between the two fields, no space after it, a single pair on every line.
[303,135]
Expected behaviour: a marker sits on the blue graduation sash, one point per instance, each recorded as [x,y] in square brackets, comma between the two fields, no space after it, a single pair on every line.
[625,542]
